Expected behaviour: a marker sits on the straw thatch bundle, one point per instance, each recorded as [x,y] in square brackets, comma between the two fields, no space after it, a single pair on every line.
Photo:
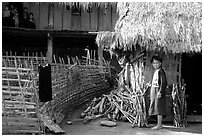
[174,26]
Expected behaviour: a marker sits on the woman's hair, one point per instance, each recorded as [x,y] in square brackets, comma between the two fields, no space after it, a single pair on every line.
[25,8]
[156,57]
[31,13]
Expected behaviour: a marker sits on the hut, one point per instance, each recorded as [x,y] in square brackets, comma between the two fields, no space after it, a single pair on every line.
[171,30]
[70,28]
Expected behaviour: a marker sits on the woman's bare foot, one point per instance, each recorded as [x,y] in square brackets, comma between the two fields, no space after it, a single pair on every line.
[157,127]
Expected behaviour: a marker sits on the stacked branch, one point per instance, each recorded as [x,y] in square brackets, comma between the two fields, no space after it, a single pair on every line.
[179,106]
[121,104]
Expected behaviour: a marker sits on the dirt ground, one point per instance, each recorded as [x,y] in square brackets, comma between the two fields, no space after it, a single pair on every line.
[123,128]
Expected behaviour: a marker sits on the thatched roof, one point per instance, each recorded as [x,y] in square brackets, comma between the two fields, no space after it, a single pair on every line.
[173,27]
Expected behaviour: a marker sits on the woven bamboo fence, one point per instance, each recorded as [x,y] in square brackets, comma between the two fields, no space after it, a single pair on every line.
[20,106]
[72,84]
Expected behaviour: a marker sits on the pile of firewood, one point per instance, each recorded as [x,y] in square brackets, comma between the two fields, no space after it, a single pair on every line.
[120,104]
[127,101]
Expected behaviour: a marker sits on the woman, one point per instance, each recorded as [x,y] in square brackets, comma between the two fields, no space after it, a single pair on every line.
[157,94]
[6,16]
[31,21]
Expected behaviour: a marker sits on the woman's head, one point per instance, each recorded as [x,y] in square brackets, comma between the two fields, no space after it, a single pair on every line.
[25,9]
[31,15]
[156,61]
[7,7]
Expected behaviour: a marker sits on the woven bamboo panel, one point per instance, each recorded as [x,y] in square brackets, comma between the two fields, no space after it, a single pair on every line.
[20,109]
[171,64]
[80,84]
[23,61]
[71,84]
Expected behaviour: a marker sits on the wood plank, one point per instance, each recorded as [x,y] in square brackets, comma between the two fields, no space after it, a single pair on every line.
[58,9]
[16,92]
[21,80]
[14,68]
[107,21]
[19,102]
[85,24]
[34,7]
[43,15]
[20,112]
[14,73]
[51,125]
[66,19]
[76,22]
[115,16]
[100,18]
[19,107]
[94,19]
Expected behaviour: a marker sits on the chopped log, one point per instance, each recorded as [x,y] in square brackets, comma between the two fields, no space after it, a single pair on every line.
[95,109]
[102,105]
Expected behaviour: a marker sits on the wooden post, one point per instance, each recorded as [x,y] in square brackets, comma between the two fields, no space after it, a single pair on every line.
[100,54]
[51,15]
[49,48]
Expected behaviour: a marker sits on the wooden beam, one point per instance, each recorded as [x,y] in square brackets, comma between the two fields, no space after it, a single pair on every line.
[49,48]
[58,10]
[43,13]
[51,125]
[51,15]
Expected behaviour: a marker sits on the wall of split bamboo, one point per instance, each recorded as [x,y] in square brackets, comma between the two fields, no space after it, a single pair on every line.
[144,71]
[171,64]
[99,19]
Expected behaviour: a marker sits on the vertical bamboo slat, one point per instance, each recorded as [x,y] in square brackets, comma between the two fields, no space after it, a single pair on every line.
[18,92]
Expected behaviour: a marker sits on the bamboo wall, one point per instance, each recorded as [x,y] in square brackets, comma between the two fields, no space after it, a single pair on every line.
[99,19]
[171,64]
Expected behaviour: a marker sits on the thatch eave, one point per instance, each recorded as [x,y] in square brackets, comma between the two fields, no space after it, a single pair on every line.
[173,27]
[111,41]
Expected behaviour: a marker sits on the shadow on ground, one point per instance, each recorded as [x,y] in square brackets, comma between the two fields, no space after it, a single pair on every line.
[123,128]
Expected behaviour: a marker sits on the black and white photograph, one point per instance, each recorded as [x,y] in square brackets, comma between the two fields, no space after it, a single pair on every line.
[101,68]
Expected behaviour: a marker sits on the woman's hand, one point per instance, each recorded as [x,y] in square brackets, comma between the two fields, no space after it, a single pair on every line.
[159,95]
[149,84]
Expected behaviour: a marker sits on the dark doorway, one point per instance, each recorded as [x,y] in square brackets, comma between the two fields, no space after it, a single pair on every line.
[191,72]
[24,45]
[74,46]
